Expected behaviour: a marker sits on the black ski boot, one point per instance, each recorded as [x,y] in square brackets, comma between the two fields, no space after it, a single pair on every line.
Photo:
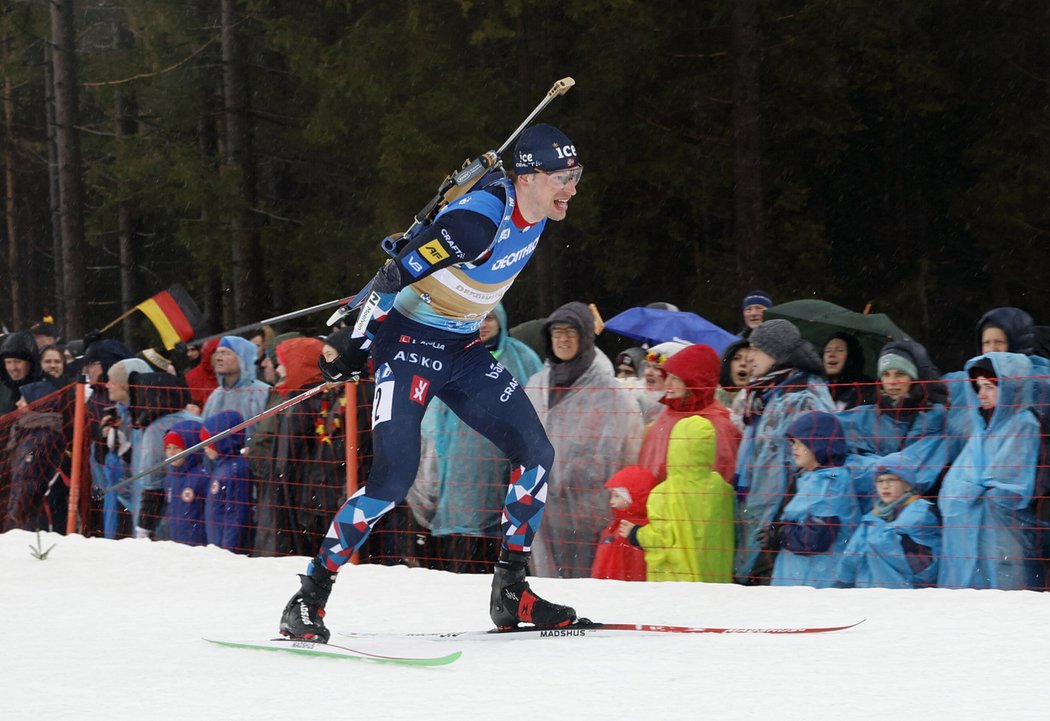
[303,617]
[513,602]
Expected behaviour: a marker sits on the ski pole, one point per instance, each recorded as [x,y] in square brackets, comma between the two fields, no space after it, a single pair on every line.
[283,406]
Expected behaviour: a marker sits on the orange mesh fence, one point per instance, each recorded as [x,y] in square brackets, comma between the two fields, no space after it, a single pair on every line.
[923,494]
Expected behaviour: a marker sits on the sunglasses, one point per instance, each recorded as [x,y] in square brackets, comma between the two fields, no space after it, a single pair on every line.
[562,178]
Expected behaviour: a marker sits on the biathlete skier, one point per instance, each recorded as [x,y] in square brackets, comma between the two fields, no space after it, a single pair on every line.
[420,326]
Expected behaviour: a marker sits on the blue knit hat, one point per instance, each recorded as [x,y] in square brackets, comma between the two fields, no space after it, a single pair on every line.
[544,148]
[758,297]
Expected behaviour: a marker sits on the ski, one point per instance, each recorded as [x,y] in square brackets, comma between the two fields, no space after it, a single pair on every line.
[331,650]
[584,628]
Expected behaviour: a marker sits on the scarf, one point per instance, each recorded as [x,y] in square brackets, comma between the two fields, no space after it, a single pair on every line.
[889,511]
[756,393]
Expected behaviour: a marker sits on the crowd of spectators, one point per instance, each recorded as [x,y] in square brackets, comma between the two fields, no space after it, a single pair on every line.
[777,461]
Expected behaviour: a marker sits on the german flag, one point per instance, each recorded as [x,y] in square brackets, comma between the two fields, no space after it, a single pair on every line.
[174,314]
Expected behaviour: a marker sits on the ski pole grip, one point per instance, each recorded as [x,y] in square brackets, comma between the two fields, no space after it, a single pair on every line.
[561,87]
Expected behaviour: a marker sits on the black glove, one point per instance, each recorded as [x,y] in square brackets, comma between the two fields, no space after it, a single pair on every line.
[352,362]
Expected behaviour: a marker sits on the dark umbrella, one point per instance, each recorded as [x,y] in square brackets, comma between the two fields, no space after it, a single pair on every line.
[818,320]
[653,325]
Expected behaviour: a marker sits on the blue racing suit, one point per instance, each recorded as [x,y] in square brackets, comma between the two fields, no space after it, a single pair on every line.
[431,300]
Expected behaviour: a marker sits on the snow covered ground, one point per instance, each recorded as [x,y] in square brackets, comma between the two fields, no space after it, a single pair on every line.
[112,630]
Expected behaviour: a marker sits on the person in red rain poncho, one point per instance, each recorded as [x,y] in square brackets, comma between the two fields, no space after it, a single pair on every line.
[616,558]
[692,377]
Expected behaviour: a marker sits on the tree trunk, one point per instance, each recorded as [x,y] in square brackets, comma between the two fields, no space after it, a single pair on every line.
[14,242]
[126,125]
[52,188]
[67,146]
[247,276]
[747,146]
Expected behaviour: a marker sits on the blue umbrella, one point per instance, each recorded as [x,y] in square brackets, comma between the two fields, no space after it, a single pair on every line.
[652,325]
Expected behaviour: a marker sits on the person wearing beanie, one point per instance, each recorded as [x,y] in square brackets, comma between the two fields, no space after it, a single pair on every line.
[910,413]
[238,389]
[185,485]
[100,356]
[692,377]
[630,365]
[812,530]
[786,381]
[754,306]
[898,543]
[461,483]
[419,330]
[984,498]
[595,426]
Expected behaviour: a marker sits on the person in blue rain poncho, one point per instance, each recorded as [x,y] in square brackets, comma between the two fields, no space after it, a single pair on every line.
[464,476]
[910,414]
[786,381]
[897,543]
[821,513]
[185,485]
[227,510]
[1009,330]
[986,495]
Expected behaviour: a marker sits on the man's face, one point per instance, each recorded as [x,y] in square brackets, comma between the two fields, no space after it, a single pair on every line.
[17,369]
[547,195]
[52,363]
[753,315]
[43,340]
[489,328]
[225,362]
[565,341]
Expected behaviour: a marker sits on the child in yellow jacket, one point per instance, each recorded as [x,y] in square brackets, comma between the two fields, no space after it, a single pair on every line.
[690,533]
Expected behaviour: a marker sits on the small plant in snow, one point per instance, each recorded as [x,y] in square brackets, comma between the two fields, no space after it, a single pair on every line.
[38,552]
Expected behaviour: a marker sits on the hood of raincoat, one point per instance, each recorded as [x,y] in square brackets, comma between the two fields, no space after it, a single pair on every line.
[246,353]
[22,346]
[698,367]
[190,433]
[299,358]
[823,435]
[900,465]
[1017,324]
[578,315]
[232,444]
[638,482]
[1012,372]
[691,448]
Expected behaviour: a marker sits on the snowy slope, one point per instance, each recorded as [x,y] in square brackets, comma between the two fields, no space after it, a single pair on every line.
[112,630]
